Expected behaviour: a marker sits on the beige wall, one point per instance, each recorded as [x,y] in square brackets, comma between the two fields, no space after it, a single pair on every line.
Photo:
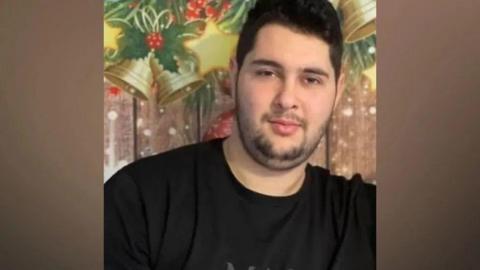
[51,135]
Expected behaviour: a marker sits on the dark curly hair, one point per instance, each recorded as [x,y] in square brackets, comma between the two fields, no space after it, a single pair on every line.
[315,17]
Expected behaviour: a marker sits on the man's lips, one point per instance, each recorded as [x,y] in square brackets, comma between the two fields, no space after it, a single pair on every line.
[285,122]
[284,127]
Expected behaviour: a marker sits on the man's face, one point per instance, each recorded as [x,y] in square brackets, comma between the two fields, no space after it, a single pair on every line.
[285,94]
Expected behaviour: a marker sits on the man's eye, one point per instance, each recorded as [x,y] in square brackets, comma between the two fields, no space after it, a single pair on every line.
[264,73]
[310,80]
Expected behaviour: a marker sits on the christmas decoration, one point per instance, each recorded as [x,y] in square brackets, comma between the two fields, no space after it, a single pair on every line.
[211,12]
[114,91]
[221,127]
[205,32]
[334,3]
[371,74]
[202,9]
[134,76]
[234,15]
[358,19]
[150,27]
[358,25]
[191,15]
[172,86]
[154,41]
[213,49]
[133,4]
[110,35]
[357,58]
[162,28]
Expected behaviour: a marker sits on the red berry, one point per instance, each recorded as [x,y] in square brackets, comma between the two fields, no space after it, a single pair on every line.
[211,12]
[192,15]
[226,5]
[154,40]
[192,5]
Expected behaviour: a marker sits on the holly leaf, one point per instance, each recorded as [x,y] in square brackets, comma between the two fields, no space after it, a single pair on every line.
[166,58]
[234,19]
[132,45]
[116,9]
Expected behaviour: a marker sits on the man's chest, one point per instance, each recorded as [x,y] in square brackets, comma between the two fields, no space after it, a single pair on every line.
[240,235]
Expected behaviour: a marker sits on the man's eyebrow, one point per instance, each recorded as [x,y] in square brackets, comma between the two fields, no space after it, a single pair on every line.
[317,71]
[266,62]
[313,70]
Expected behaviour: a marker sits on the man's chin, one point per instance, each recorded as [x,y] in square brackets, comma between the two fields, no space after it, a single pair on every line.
[284,143]
[281,164]
[278,152]
[281,154]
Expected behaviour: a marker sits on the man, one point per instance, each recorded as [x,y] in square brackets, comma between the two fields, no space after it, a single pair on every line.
[252,201]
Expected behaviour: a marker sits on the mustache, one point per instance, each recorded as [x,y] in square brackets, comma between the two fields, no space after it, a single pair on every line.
[289,116]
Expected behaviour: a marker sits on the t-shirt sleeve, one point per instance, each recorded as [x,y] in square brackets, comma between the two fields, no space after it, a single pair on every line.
[125,228]
[358,219]
[366,213]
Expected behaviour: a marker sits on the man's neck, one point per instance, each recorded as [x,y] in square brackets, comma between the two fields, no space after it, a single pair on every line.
[257,177]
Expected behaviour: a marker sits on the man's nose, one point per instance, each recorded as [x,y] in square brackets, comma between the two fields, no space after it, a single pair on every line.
[286,97]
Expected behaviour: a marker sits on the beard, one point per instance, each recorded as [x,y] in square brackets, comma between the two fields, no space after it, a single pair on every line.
[261,148]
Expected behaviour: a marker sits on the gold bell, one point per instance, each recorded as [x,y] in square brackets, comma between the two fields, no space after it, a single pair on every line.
[334,3]
[172,85]
[358,19]
[134,76]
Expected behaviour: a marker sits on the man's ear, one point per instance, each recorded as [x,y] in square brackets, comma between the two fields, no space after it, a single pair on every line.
[233,77]
[340,89]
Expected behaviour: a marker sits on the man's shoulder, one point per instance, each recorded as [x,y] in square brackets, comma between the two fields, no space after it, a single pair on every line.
[350,198]
[338,184]
[175,163]
[172,156]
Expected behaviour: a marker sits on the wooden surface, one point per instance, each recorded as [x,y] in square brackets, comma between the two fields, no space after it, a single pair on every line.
[118,130]
[352,134]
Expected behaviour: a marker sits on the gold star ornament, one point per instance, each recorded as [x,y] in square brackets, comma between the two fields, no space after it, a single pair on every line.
[110,36]
[213,48]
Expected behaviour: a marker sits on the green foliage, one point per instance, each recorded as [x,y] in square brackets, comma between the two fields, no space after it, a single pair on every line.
[204,97]
[194,28]
[118,9]
[132,45]
[234,18]
[357,58]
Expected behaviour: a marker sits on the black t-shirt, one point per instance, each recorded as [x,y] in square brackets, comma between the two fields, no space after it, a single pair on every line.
[184,209]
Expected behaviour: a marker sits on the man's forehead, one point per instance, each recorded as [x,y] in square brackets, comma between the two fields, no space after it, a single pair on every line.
[290,48]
